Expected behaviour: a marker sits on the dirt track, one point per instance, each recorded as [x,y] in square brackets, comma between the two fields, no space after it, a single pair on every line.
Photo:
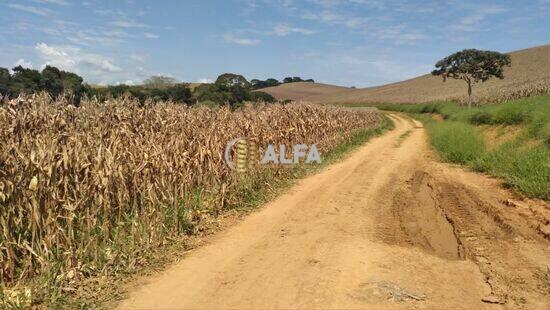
[386,228]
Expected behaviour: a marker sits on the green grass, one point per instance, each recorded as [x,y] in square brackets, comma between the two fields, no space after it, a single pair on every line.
[456,142]
[524,168]
[524,162]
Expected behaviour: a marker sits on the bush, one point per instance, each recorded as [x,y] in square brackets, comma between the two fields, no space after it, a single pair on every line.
[260,96]
[429,108]
[480,118]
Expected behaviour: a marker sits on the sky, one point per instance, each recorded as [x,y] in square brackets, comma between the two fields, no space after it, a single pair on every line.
[344,42]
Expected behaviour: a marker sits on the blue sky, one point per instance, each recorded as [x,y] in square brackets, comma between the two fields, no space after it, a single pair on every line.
[345,42]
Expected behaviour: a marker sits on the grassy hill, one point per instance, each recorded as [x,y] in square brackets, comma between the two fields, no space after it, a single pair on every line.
[530,68]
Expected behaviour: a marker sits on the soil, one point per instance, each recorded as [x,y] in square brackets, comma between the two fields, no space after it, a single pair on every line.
[388,227]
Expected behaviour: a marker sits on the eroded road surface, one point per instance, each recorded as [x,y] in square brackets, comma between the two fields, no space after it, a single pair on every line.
[388,227]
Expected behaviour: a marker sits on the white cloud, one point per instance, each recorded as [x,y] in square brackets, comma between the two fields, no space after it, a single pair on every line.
[104,12]
[73,59]
[228,37]
[31,9]
[382,65]
[23,63]
[284,30]
[58,2]
[473,20]
[138,57]
[284,3]
[92,37]
[326,3]
[128,24]
[150,35]
[399,34]
[330,17]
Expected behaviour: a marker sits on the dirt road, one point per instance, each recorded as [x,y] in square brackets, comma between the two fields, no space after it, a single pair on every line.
[386,228]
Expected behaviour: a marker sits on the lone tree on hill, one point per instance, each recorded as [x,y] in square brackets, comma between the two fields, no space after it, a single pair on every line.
[472,66]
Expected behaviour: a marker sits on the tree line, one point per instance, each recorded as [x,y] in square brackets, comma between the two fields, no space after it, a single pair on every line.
[228,88]
[258,84]
[50,79]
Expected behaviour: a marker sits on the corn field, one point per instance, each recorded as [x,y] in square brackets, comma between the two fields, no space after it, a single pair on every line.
[510,92]
[90,188]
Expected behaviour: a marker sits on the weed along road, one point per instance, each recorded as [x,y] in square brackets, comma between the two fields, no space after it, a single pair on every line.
[387,227]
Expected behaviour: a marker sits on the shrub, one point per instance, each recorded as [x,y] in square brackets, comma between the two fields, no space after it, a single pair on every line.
[260,96]
[480,118]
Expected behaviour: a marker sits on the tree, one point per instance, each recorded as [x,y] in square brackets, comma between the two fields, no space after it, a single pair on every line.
[72,85]
[229,80]
[212,93]
[472,66]
[272,82]
[180,93]
[25,80]
[260,96]
[287,80]
[239,94]
[57,82]
[159,81]
[51,80]
[257,84]
[5,81]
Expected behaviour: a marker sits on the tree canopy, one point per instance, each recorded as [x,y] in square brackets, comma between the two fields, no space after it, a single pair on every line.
[232,89]
[472,66]
[231,79]
[257,84]
[229,88]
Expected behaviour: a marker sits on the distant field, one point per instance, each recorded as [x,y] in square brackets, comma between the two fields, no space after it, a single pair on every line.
[530,68]
[303,90]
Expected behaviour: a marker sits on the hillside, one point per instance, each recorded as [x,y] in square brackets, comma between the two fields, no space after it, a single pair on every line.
[303,90]
[528,66]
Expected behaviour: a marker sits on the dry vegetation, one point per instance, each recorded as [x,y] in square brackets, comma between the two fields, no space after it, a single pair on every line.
[91,189]
[528,75]
[510,92]
[303,90]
